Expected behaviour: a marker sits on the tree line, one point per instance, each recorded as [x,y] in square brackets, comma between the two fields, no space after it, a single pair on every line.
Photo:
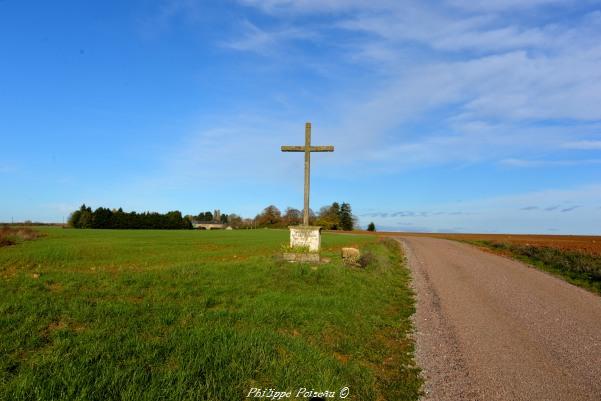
[116,219]
[208,217]
[333,217]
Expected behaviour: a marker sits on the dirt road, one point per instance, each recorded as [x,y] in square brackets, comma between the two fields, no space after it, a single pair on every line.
[489,328]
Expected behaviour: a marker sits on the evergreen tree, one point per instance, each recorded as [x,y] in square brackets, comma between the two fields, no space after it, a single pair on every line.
[371,226]
[335,210]
[102,218]
[346,217]
[106,218]
[85,217]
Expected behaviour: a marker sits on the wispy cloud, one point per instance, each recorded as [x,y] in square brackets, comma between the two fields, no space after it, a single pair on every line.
[505,5]
[166,14]
[295,7]
[578,213]
[503,76]
[490,77]
[255,39]
[551,208]
[548,163]
[342,6]
[412,213]
[583,145]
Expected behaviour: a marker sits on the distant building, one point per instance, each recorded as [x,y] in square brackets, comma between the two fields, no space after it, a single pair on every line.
[208,226]
[214,224]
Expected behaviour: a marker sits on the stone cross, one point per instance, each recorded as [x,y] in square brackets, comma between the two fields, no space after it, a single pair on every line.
[307,149]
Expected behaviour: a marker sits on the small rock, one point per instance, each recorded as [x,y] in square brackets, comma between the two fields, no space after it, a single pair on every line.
[350,253]
[351,256]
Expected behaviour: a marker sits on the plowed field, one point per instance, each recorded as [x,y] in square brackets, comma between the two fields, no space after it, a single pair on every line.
[584,243]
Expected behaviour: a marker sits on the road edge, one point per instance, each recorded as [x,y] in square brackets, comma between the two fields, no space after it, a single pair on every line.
[437,351]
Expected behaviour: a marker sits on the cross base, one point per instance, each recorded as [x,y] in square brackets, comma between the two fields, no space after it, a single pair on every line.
[302,257]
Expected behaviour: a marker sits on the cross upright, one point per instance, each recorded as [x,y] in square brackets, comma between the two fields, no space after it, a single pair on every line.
[307,149]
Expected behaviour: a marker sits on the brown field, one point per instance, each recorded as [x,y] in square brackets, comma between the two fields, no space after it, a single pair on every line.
[12,235]
[589,244]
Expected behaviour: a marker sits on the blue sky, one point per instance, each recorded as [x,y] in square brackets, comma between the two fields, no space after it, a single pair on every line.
[459,115]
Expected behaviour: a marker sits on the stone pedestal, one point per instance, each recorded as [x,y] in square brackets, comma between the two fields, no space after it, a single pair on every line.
[308,237]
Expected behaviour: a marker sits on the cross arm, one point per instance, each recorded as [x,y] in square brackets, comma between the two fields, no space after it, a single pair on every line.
[328,148]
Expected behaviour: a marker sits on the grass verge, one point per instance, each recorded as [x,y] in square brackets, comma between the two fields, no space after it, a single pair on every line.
[578,268]
[191,315]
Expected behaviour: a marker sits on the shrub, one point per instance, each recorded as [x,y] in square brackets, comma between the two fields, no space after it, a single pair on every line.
[7,241]
[366,259]
[27,234]
[10,236]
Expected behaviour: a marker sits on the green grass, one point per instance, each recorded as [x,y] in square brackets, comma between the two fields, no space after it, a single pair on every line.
[192,315]
[575,267]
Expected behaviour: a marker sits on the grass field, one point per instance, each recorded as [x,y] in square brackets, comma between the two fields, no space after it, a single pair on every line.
[190,315]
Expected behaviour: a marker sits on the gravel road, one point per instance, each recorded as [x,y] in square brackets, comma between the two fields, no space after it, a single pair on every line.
[490,328]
